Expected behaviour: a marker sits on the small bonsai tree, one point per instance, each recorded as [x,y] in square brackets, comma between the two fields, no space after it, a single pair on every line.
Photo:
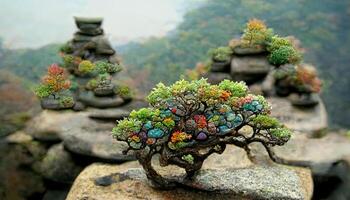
[56,85]
[53,83]
[188,121]
[256,34]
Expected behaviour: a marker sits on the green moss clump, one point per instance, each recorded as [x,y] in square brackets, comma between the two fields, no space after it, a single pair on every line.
[86,66]
[281,133]
[92,84]
[66,101]
[278,42]
[284,55]
[221,54]
[105,67]
[66,48]
[266,122]
[124,92]
[188,158]
[43,91]
[68,60]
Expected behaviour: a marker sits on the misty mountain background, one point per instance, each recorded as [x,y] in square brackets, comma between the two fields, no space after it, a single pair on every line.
[192,28]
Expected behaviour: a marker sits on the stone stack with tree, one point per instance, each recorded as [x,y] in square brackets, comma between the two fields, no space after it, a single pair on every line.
[93,64]
[259,53]
[272,66]
[53,90]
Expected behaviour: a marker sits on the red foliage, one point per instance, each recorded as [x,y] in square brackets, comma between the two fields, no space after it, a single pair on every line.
[56,78]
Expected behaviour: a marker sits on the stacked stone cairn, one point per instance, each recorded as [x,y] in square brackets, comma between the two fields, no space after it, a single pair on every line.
[272,66]
[58,143]
[93,64]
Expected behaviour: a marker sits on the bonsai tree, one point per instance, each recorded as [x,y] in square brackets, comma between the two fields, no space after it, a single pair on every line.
[281,50]
[256,34]
[189,121]
[55,85]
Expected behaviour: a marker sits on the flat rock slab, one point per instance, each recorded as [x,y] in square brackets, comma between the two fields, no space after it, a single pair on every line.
[250,69]
[307,120]
[94,139]
[90,99]
[80,134]
[128,181]
[47,125]
[108,114]
[320,154]
[217,77]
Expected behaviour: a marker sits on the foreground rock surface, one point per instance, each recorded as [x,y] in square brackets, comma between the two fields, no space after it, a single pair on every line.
[217,180]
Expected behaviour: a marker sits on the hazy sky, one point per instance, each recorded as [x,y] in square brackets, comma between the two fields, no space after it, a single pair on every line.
[33,23]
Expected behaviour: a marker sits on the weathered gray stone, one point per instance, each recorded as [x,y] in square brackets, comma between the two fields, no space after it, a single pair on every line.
[310,121]
[58,165]
[250,69]
[107,90]
[54,104]
[239,50]
[304,100]
[90,99]
[103,46]
[220,66]
[89,25]
[81,38]
[19,137]
[108,114]
[217,77]
[94,139]
[18,180]
[78,106]
[128,181]
[320,154]
[56,194]
[47,125]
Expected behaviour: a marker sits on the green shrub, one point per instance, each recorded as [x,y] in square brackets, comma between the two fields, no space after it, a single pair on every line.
[66,48]
[66,101]
[43,91]
[86,66]
[124,91]
[277,42]
[68,60]
[105,67]
[92,84]
[284,55]
[256,33]
[221,54]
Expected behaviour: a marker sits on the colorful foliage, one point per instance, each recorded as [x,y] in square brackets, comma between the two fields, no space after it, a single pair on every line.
[186,113]
[54,82]
[188,121]
[301,78]
[284,55]
[86,66]
[256,33]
